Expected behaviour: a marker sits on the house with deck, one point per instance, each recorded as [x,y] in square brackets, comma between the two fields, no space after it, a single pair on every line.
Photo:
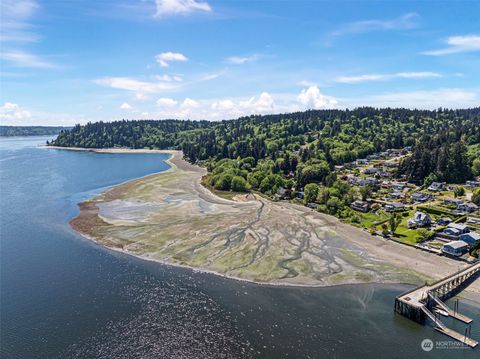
[420,197]
[360,206]
[467,207]
[420,219]
[471,238]
[455,248]
[462,228]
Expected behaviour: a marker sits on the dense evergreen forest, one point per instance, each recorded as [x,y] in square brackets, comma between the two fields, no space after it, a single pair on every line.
[302,147]
[31,130]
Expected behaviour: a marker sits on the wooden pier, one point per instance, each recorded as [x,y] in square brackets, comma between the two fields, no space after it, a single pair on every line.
[417,304]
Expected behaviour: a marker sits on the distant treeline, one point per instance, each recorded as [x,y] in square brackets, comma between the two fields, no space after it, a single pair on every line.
[31,130]
[304,145]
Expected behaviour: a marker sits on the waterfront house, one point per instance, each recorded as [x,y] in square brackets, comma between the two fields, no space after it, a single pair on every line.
[420,197]
[284,193]
[452,231]
[397,186]
[420,219]
[394,207]
[395,195]
[461,227]
[473,220]
[467,207]
[454,201]
[312,205]
[385,174]
[436,186]
[473,183]
[444,221]
[360,206]
[370,170]
[390,164]
[471,238]
[299,195]
[455,248]
[371,181]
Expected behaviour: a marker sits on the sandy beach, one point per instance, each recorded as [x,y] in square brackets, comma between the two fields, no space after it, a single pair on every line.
[172,219]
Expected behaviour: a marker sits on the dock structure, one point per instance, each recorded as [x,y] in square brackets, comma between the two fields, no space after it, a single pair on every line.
[417,304]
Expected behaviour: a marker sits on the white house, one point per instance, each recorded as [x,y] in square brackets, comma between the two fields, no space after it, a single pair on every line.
[420,219]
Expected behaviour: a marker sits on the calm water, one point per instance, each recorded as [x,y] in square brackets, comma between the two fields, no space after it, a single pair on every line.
[63,296]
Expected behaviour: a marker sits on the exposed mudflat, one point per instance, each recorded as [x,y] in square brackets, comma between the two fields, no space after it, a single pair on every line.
[171,218]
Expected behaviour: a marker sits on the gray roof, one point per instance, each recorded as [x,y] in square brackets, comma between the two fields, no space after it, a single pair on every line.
[456,244]
[458,226]
[473,235]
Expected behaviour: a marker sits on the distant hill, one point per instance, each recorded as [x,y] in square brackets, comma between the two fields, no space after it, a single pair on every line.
[306,145]
[31,130]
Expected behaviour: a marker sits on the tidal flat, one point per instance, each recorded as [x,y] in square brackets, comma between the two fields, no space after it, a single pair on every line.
[171,218]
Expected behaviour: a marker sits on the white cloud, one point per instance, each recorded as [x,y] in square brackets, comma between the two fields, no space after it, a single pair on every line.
[177,7]
[165,57]
[15,15]
[264,104]
[188,103]
[406,21]
[24,59]
[311,98]
[447,98]
[12,111]
[383,77]
[240,60]
[126,107]
[457,44]
[166,102]
[129,84]
[168,78]
[228,108]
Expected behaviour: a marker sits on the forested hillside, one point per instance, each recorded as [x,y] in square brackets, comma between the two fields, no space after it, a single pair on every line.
[304,145]
[31,130]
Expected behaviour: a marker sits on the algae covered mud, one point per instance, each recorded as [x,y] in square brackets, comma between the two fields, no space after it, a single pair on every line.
[171,218]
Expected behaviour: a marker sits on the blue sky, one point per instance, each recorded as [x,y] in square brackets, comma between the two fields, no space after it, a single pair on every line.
[65,62]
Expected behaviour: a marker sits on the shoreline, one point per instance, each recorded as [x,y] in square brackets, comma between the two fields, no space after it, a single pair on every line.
[176,161]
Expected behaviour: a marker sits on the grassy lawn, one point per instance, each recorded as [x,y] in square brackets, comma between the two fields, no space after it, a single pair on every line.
[405,234]
[371,219]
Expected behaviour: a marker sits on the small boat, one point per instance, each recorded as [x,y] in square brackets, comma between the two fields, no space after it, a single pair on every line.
[441,312]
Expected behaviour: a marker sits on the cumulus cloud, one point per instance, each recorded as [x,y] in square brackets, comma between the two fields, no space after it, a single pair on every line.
[311,98]
[180,7]
[165,57]
[12,111]
[457,44]
[383,77]
[126,107]
[166,102]
[129,84]
[188,103]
